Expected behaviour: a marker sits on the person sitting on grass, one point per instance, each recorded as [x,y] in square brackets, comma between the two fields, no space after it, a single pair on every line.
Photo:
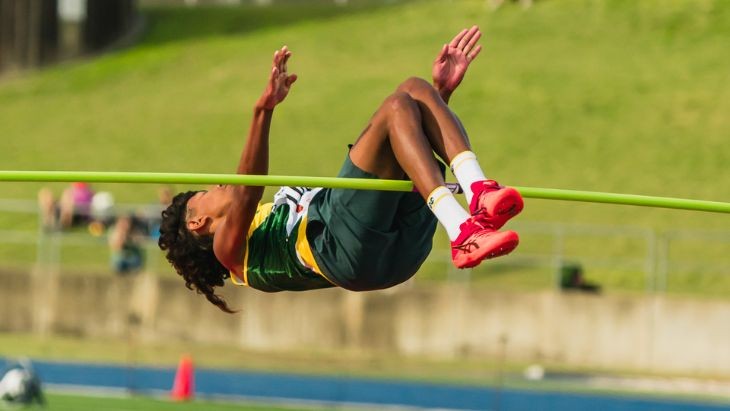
[73,209]
[355,239]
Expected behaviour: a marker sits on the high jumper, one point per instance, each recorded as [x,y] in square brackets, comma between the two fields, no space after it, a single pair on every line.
[360,240]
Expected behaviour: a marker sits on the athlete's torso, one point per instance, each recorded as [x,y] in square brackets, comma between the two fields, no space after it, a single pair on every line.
[278,256]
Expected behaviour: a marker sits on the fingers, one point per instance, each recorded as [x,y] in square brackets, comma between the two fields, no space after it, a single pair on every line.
[466,42]
[281,56]
[274,75]
[284,55]
[279,75]
[475,36]
[474,53]
[291,79]
[469,39]
[287,54]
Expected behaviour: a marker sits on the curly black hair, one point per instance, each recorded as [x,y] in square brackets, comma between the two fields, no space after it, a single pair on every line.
[190,254]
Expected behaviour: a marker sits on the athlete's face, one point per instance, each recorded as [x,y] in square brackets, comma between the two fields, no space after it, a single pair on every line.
[209,204]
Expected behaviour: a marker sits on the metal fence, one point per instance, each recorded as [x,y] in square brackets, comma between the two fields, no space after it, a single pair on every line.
[33,245]
[613,256]
[650,259]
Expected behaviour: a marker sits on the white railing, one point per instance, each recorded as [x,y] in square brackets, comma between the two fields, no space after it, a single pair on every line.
[657,255]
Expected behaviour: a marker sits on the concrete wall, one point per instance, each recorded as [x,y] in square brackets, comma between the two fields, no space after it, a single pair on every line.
[636,332]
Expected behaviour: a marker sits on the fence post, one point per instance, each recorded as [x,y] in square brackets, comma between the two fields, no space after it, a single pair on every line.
[662,262]
[558,253]
[651,260]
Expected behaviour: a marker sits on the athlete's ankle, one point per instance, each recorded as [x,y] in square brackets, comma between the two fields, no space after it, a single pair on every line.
[447,210]
[467,171]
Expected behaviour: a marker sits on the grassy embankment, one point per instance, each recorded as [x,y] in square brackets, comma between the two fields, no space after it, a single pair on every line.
[611,96]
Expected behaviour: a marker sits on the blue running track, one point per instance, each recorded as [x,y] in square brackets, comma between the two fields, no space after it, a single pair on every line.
[346,390]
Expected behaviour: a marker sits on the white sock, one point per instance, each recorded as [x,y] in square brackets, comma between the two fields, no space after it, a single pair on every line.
[447,210]
[466,169]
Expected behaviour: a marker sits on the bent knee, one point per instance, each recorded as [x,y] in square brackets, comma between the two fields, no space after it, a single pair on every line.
[415,85]
[400,101]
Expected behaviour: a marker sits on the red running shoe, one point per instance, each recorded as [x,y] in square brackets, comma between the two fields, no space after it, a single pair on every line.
[476,243]
[494,204]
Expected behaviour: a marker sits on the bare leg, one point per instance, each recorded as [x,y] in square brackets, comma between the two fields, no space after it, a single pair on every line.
[46,206]
[67,209]
[394,145]
[442,127]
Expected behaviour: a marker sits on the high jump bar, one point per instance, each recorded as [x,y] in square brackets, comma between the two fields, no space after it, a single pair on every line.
[350,183]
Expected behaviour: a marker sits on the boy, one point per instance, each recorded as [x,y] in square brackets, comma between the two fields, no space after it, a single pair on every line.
[354,239]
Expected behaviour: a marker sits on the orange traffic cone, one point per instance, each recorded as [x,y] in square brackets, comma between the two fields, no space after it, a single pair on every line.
[183,388]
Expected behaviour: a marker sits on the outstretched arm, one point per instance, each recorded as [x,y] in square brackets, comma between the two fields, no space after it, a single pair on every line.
[453,60]
[230,238]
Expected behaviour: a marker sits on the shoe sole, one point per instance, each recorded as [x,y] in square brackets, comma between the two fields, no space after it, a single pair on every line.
[508,204]
[504,250]
[499,250]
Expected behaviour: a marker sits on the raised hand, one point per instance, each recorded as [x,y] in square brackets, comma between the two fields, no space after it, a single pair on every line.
[280,81]
[453,60]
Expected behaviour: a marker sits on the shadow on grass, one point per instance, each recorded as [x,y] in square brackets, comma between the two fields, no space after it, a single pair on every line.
[171,24]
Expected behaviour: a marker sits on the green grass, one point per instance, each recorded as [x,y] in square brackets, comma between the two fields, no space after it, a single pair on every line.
[70,402]
[66,402]
[610,95]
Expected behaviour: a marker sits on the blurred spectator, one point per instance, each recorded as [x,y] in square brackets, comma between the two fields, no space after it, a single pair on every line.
[71,210]
[126,246]
[102,208]
[78,206]
[571,278]
[128,235]
[20,385]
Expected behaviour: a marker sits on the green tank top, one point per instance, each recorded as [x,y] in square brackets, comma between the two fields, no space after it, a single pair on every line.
[276,257]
